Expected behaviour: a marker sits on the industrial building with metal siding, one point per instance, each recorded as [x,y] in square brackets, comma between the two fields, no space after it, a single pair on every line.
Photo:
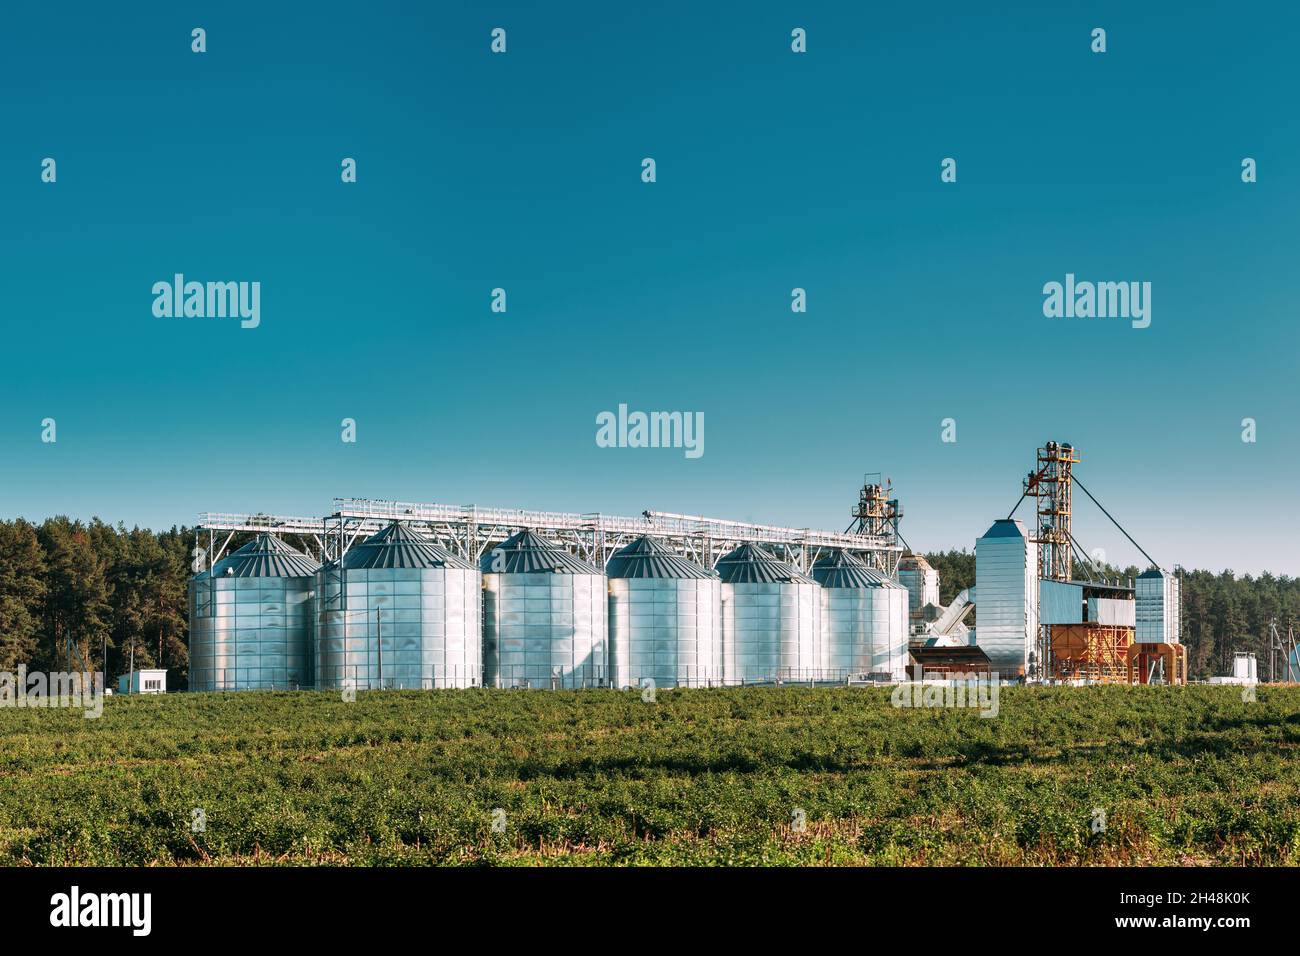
[438,596]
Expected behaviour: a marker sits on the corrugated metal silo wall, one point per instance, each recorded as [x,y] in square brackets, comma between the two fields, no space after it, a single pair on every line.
[665,630]
[848,629]
[427,633]
[542,629]
[889,627]
[864,631]
[249,633]
[773,631]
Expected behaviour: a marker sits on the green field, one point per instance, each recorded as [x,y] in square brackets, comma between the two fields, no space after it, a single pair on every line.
[1185,776]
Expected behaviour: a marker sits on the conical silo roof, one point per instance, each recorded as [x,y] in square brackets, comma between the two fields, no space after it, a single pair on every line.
[750,564]
[397,546]
[266,556]
[1006,528]
[840,569]
[647,558]
[529,553]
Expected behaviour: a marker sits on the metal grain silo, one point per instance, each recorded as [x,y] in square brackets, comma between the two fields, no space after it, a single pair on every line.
[398,611]
[545,616]
[1006,576]
[664,618]
[864,618]
[771,620]
[250,619]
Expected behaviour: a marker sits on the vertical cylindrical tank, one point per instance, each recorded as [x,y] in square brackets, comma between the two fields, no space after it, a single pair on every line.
[771,620]
[398,611]
[250,619]
[864,618]
[545,616]
[664,618]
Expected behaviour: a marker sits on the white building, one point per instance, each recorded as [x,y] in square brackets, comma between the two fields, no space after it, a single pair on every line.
[146,681]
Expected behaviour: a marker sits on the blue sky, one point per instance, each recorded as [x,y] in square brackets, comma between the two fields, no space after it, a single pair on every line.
[775,170]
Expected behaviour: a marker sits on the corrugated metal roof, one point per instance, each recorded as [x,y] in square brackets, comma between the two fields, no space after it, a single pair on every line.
[750,564]
[647,558]
[397,546]
[266,556]
[529,553]
[840,569]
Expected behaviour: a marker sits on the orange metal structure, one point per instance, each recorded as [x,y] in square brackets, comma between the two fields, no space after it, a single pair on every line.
[1052,485]
[1142,656]
[1094,652]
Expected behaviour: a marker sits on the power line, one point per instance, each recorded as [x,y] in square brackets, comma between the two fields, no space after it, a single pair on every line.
[1153,561]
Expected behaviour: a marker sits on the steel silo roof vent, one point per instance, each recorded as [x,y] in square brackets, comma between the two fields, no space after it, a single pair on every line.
[529,553]
[647,558]
[750,564]
[397,546]
[266,556]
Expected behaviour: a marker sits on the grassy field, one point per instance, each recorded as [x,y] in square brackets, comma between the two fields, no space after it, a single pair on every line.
[1184,776]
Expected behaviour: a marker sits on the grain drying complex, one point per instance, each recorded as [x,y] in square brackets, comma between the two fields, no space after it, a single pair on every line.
[397,595]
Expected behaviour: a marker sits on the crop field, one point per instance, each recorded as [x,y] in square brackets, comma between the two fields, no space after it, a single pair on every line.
[744,776]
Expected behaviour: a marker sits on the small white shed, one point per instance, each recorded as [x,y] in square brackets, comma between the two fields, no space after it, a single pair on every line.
[144,681]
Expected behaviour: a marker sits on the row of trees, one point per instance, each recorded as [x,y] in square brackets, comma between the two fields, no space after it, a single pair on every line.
[112,592]
[116,593]
[1222,613]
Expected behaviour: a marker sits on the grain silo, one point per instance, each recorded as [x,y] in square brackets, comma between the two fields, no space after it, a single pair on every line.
[1006,578]
[398,611]
[545,616]
[864,618]
[771,620]
[664,618]
[250,619]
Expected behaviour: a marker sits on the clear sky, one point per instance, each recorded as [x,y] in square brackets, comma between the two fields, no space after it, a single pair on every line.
[775,170]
